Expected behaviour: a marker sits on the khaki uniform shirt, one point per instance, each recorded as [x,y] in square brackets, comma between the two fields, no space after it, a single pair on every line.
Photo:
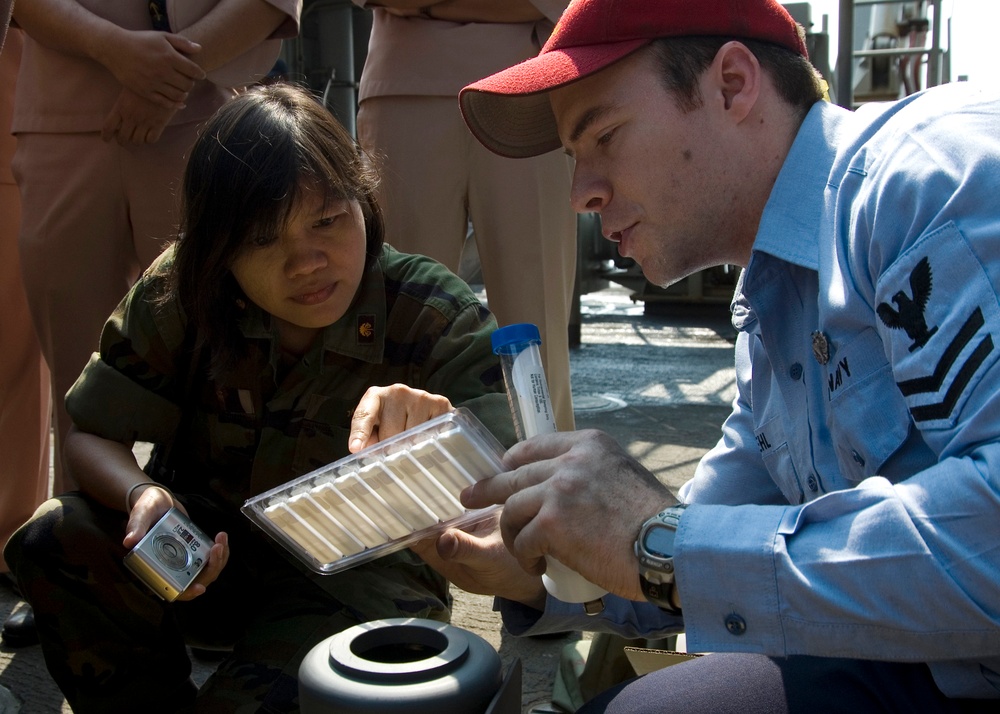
[63,94]
[418,56]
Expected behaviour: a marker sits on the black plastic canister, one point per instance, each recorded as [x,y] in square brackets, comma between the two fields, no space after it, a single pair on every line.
[400,665]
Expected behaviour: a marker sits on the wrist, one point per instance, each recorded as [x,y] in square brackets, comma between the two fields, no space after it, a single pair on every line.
[104,42]
[137,489]
[536,599]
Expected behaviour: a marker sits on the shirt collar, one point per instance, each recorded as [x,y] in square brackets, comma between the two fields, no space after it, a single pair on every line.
[359,334]
[789,227]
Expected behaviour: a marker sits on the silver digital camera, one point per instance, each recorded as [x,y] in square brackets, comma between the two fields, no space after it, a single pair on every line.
[170,555]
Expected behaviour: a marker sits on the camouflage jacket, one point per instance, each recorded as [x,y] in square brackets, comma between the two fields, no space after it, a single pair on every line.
[256,427]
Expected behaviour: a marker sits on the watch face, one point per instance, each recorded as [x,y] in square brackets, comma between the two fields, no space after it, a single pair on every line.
[660,541]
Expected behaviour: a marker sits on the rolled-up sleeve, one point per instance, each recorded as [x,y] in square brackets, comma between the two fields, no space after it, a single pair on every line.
[107,403]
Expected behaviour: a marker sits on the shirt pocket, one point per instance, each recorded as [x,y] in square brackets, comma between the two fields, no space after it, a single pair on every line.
[233,426]
[772,441]
[323,432]
[869,420]
[770,429]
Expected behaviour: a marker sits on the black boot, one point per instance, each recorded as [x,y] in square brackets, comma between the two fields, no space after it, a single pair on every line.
[19,628]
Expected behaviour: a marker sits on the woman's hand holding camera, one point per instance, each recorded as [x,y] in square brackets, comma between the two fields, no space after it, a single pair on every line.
[218,556]
[146,509]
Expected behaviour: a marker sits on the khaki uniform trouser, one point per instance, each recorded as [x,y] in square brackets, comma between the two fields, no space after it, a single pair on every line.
[436,177]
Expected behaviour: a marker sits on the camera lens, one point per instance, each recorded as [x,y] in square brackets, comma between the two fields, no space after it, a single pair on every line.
[170,551]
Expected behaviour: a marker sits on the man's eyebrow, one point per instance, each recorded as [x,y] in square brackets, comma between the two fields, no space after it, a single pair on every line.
[591,115]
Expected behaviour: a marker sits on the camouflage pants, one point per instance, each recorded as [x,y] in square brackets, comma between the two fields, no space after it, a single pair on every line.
[113,646]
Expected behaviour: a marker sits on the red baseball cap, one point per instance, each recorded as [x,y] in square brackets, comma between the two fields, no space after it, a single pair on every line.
[509,111]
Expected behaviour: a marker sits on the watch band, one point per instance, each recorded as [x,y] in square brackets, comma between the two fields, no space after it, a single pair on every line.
[660,595]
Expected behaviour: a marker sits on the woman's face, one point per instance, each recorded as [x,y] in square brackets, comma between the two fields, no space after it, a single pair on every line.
[307,277]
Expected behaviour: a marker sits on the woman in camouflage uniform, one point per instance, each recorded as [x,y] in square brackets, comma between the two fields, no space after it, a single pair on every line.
[241,355]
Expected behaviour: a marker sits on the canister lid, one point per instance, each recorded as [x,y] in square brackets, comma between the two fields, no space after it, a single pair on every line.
[513,334]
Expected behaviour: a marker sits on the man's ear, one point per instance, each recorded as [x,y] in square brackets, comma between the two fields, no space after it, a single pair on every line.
[737,76]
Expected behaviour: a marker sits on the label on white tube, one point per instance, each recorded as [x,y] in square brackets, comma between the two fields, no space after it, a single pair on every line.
[528,377]
[532,395]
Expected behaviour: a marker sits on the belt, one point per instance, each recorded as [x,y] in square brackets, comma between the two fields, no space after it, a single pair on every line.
[158,14]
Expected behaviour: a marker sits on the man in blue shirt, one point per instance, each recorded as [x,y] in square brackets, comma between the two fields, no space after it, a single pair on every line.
[838,549]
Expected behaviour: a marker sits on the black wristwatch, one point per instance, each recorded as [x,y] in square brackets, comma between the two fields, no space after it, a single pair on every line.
[654,549]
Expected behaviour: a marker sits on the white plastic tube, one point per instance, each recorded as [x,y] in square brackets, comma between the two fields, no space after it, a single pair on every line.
[528,396]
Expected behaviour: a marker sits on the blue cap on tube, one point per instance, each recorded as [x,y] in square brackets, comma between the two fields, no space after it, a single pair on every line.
[514,334]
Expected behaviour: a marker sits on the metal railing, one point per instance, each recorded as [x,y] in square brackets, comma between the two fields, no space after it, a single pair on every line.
[847,54]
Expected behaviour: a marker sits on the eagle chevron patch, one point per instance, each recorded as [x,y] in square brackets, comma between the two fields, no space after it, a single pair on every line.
[943,408]
[938,314]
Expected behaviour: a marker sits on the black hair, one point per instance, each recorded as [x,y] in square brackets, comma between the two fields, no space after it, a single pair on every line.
[246,170]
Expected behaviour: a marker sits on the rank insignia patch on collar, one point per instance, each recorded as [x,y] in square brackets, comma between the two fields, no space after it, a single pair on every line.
[366,329]
[908,314]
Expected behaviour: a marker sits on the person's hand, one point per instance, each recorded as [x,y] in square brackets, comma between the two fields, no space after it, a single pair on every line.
[134,120]
[149,507]
[579,497]
[387,411]
[155,65]
[477,561]
[218,556]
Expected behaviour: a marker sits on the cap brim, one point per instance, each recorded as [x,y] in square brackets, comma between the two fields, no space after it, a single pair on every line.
[509,112]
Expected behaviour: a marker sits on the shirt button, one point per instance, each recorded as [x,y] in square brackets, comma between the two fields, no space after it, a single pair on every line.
[795,372]
[812,483]
[858,458]
[735,624]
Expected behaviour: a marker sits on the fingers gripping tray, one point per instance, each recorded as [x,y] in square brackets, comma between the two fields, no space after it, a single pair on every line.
[383,498]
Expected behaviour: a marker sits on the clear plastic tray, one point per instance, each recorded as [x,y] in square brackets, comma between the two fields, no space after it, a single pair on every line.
[383,498]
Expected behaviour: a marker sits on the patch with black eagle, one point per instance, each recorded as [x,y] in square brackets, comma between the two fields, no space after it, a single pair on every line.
[938,315]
